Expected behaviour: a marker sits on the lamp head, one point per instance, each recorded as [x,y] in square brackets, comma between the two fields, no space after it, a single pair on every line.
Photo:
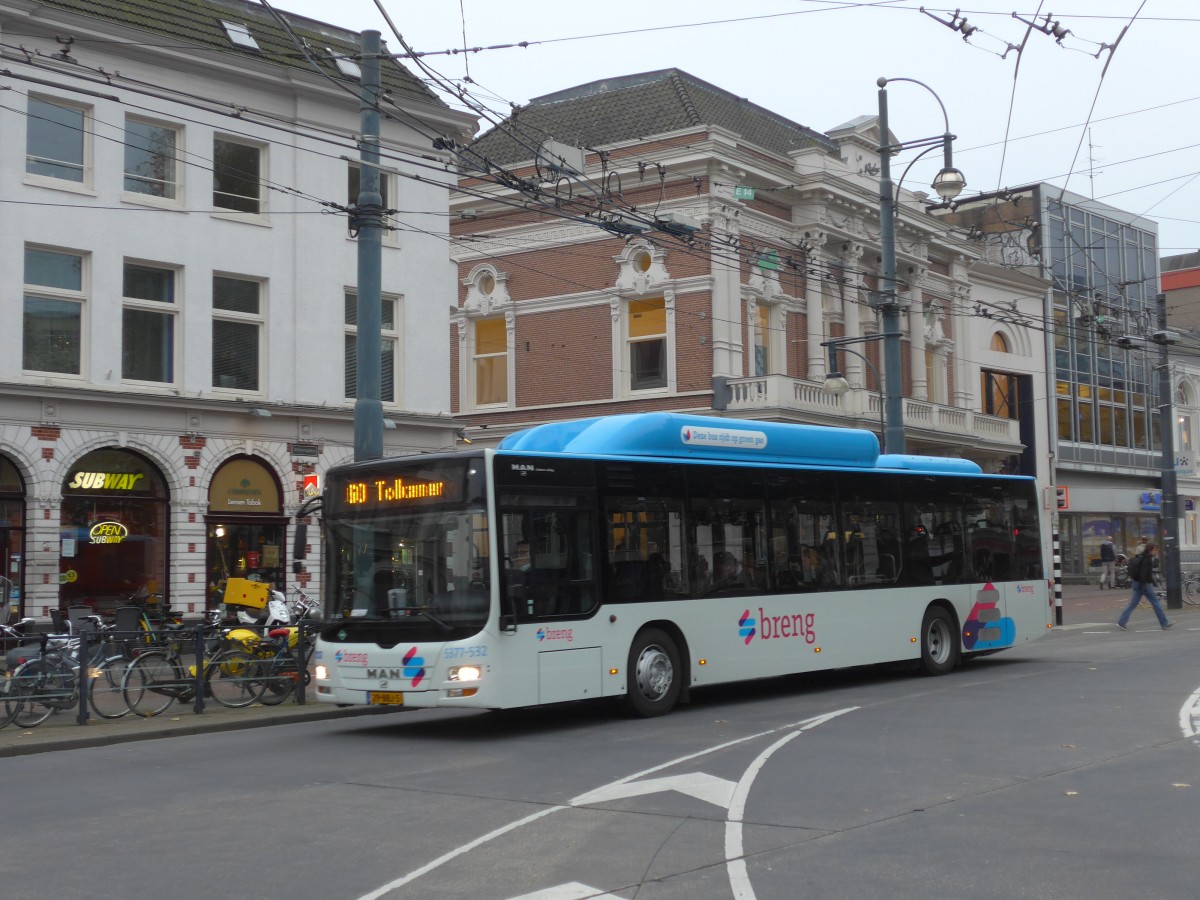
[949,183]
[836,384]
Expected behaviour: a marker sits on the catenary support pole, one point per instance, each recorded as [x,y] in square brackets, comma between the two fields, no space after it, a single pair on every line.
[1170,484]
[890,300]
[368,407]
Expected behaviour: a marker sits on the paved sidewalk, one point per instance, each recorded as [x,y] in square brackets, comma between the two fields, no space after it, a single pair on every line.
[1082,605]
[1086,604]
[62,732]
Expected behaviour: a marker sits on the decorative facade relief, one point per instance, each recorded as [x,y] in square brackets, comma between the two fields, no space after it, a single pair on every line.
[641,266]
[487,290]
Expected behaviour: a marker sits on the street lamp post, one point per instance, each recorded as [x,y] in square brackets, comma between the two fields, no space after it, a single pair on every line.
[836,383]
[948,184]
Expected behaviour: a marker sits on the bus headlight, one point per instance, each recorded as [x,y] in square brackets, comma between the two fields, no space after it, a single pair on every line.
[464,673]
[322,672]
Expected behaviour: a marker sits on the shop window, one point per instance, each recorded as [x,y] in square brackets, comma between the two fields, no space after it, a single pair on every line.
[245,527]
[12,541]
[113,539]
[389,346]
[148,324]
[237,333]
[53,315]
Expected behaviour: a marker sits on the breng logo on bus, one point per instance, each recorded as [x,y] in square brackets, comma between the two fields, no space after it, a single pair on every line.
[788,625]
[414,666]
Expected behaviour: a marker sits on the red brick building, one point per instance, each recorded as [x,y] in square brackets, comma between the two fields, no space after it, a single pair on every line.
[691,253]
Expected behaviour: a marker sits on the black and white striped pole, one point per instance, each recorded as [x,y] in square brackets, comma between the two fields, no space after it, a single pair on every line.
[1057,554]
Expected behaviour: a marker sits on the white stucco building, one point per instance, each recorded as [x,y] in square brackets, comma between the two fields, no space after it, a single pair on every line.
[177,331]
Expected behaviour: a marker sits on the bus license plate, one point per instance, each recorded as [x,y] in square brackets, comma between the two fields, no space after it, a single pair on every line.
[387,698]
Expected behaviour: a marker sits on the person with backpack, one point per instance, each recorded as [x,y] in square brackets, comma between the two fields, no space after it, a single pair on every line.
[1141,573]
[1108,561]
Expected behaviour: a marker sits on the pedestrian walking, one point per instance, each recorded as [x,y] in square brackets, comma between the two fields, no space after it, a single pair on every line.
[1141,573]
[1108,562]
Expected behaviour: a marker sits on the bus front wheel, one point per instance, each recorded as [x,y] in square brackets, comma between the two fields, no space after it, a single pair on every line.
[654,673]
[939,642]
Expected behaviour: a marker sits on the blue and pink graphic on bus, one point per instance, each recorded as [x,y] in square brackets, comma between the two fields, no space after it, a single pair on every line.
[986,628]
[768,627]
[414,666]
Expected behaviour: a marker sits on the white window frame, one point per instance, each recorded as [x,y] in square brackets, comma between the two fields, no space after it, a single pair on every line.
[386,336]
[623,349]
[79,297]
[177,157]
[472,374]
[86,166]
[238,214]
[258,319]
[170,311]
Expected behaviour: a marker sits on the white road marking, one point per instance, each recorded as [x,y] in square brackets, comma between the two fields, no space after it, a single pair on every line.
[709,788]
[572,891]
[801,726]
[735,861]
[1189,715]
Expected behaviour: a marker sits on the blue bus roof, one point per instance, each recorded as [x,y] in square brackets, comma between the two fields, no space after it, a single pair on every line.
[689,437]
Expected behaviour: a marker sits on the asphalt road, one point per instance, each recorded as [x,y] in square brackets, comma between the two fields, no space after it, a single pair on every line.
[1068,768]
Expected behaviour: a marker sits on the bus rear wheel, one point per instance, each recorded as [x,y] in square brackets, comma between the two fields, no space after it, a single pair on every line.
[939,642]
[654,673]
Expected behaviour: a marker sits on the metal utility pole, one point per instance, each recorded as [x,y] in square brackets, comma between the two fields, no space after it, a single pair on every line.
[368,407]
[1170,485]
[893,387]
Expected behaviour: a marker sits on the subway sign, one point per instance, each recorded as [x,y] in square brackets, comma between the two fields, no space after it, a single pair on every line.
[108,533]
[105,481]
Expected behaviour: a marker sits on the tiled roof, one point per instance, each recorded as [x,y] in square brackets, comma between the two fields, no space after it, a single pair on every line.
[198,23]
[633,107]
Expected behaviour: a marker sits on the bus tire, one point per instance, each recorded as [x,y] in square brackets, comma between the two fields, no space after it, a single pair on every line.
[939,642]
[654,673]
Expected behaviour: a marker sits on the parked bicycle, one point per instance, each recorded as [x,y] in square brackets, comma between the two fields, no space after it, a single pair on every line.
[276,671]
[50,681]
[159,677]
[1191,589]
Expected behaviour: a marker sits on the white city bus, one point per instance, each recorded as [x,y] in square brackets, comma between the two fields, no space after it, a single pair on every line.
[644,555]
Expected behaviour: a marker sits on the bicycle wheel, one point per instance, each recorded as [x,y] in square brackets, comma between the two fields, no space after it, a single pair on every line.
[232,679]
[151,683]
[36,691]
[1191,592]
[108,687]
[278,676]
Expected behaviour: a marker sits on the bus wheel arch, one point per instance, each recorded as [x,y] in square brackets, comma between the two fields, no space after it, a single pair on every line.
[941,649]
[656,670]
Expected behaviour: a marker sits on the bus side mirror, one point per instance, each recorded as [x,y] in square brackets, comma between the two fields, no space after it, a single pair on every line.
[300,543]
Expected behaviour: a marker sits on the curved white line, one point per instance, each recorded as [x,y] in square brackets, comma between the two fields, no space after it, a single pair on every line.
[457,851]
[735,862]
[1185,714]
[802,726]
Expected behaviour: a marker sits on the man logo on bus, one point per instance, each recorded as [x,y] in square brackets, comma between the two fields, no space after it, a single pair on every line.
[746,627]
[414,666]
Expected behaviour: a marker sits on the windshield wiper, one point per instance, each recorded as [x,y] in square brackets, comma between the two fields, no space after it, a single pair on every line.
[425,611]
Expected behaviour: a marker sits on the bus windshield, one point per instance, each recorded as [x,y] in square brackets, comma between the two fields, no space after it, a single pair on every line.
[424,572]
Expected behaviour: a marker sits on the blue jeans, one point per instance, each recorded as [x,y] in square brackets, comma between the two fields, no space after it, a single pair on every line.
[1138,590]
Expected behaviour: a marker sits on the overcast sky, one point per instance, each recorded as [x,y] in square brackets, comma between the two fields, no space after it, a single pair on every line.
[1128,135]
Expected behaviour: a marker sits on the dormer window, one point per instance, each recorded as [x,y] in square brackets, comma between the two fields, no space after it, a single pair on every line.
[345,64]
[239,35]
